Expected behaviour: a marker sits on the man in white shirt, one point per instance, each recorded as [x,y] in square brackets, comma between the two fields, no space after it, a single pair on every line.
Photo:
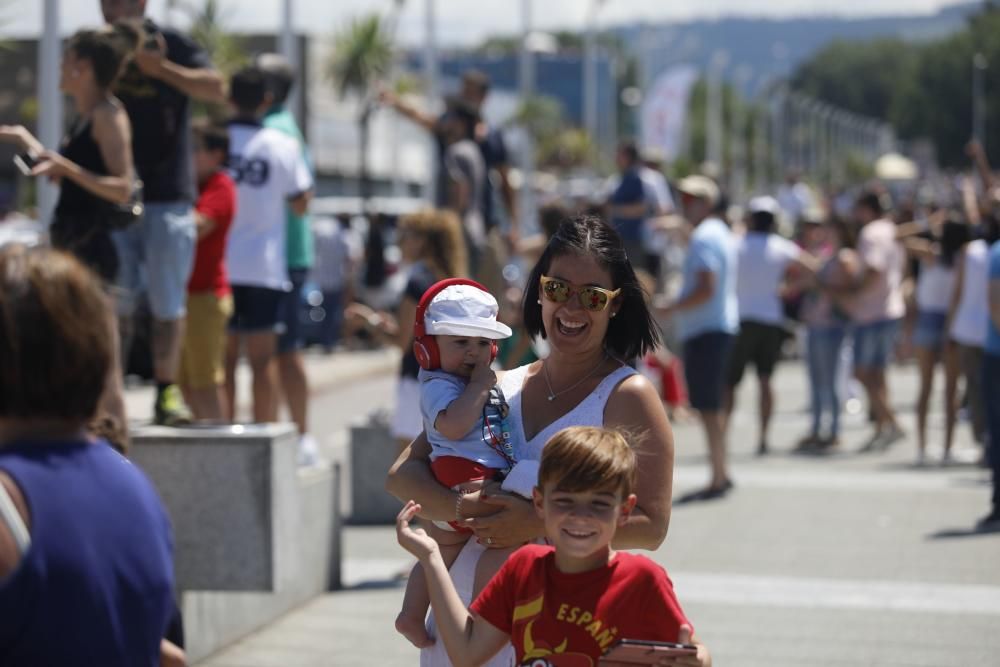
[270,172]
[764,259]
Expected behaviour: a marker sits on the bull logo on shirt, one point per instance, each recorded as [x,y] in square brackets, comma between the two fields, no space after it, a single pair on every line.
[538,653]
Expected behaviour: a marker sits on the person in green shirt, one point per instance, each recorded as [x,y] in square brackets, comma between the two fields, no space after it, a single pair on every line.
[280,79]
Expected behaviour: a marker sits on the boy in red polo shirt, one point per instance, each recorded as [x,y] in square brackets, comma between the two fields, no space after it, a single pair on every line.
[566,603]
[210,303]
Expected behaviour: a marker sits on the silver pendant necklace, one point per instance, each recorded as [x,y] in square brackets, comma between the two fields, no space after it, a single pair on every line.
[554,394]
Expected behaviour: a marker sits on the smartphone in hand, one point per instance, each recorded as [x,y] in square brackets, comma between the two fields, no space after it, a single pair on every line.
[637,652]
[25,163]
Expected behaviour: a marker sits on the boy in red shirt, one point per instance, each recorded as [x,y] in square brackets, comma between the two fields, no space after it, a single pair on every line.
[566,604]
[210,303]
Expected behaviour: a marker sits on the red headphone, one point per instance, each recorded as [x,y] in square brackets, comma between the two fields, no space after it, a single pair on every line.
[425,348]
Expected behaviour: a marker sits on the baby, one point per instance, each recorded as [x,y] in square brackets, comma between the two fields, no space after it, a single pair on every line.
[465,418]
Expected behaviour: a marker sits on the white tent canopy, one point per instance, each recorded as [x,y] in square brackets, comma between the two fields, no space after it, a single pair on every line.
[895,167]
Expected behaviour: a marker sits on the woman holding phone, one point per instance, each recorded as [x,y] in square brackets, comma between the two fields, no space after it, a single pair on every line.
[94,163]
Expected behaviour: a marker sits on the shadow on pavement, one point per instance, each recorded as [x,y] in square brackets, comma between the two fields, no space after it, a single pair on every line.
[959,533]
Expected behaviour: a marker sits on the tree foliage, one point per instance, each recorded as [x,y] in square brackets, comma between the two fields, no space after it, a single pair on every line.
[924,89]
[226,51]
[362,53]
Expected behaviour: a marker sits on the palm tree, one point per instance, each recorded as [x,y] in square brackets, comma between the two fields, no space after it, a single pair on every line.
[362,54]
[226,51]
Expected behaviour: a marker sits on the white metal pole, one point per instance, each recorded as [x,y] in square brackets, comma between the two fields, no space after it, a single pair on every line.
[49,101]
[431,82]
[713,111]
[978,115]
[527,75]
[288,47]
[590,73]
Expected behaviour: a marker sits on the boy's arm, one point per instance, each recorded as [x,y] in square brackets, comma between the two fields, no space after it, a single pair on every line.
[469,641]
[464,412]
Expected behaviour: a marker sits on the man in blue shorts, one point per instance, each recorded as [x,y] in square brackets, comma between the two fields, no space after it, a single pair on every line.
[271,177]
[158,251]
[707,318]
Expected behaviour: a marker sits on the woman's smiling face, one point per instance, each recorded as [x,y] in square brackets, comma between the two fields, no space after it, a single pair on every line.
[568,325]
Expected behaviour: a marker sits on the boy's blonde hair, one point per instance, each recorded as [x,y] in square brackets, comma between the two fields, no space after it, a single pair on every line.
[588,458]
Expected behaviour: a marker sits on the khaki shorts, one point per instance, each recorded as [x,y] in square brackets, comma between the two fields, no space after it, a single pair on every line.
[204,350]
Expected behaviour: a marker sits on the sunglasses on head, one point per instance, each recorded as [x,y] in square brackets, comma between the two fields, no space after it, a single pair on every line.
[595,299]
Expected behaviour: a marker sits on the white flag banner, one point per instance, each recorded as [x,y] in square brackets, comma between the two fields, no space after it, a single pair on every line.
[664,110]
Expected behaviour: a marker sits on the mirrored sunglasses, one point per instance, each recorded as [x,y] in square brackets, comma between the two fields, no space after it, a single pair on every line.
[595,299]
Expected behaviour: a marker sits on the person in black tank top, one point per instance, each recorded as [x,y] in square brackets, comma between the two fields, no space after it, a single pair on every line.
[94,164]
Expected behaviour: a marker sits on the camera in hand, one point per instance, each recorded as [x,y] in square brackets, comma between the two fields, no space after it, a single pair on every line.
[151,43]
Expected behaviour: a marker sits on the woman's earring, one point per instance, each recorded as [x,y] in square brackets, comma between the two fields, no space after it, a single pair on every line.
[538,301]
[614,313]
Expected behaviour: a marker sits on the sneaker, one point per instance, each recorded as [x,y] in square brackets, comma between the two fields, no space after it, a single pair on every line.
[170,409]
[990,522]
[890,437]
[308,451]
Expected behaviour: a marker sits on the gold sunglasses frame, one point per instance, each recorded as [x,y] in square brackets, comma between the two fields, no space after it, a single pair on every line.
[578,289]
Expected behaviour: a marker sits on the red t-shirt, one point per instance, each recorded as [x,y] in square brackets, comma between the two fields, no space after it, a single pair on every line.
[216,201]
[570,620]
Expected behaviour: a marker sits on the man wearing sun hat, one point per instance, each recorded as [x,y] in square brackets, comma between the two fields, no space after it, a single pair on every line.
[707,317]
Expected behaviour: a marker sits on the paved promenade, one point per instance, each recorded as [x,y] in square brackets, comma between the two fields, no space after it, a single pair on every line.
[846,559]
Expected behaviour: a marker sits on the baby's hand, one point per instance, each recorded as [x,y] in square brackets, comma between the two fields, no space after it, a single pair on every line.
[483,375]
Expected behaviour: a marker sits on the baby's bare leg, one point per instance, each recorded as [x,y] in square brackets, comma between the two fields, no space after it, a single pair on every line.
[416,599]
[488,565]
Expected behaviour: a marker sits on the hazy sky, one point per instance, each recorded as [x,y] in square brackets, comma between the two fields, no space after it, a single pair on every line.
[462,21]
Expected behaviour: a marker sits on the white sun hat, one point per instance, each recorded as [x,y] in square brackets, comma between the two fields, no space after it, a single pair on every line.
[464,310]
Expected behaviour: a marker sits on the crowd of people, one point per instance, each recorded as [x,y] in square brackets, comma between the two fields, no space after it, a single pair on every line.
[533,406]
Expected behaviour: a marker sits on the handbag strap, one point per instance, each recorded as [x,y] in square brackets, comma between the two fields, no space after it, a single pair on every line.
[12,517]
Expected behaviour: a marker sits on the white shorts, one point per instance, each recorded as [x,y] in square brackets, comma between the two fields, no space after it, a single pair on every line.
[407,422]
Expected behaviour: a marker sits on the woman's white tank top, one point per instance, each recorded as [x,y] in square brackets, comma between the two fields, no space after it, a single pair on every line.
[935,286]
[969,326]
[588,412]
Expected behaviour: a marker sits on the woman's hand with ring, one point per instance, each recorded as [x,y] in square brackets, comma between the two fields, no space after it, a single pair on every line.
[514,524]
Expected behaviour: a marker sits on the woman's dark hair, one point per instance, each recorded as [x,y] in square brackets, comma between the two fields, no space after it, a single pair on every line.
[632,332]
[989,227]
[55,336]
[846,232]
[106,49]
[954,235]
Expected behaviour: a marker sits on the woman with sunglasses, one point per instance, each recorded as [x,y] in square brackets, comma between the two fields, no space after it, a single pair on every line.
[584,298]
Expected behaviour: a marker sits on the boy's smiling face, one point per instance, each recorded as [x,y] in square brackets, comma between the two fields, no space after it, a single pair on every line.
[460,354]
[581,524]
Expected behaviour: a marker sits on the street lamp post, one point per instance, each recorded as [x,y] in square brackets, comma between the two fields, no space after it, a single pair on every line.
[590,73]
[526,203]
[288,48]
[979,65]
[49,100]
[431,79]
[713,110]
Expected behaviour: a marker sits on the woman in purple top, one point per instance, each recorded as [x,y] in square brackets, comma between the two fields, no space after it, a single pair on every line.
[86,573]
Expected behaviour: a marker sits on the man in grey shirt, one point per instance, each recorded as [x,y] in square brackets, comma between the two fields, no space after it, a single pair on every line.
[464,174]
